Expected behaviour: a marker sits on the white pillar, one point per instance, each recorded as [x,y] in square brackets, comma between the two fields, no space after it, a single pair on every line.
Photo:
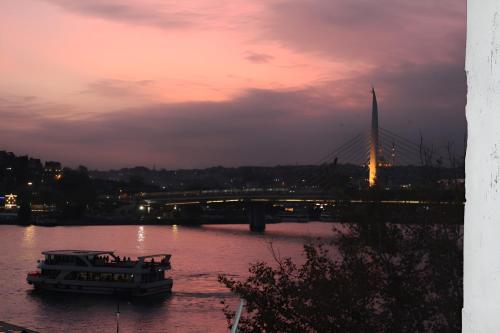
[481,312]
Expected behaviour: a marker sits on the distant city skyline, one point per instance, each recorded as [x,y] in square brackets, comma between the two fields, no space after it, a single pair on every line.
[194,84]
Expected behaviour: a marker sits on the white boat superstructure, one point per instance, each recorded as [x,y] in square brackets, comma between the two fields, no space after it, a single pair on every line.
[102,272]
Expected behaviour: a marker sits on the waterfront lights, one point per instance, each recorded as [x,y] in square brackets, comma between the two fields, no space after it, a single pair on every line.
[10,201]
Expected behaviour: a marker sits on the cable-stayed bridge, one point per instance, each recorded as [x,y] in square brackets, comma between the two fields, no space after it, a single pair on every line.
[378,148]
[392,150]
[374,150]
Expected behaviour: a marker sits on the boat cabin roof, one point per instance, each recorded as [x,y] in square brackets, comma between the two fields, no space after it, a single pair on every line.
[154,255]
[77,253]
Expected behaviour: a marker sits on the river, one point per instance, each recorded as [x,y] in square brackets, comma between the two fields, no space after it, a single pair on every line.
[199,255]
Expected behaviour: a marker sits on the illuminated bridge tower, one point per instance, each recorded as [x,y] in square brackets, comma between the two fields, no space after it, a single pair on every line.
[374,147]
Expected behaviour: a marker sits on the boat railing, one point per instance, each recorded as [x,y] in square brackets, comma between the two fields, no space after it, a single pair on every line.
[163,263]
[156,266]
[130,263]
[59,263]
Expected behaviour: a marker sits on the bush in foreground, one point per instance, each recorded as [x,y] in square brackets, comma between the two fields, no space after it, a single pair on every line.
[374,278]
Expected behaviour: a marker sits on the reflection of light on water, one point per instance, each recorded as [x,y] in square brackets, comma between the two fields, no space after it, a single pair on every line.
[29,235]
[140,234]
[175,229]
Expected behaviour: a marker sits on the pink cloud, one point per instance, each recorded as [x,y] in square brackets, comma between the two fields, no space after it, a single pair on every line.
[232,82]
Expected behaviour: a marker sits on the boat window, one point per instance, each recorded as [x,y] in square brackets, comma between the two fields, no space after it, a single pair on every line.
[100,276]
[80,262]
[153,276]
[50,273]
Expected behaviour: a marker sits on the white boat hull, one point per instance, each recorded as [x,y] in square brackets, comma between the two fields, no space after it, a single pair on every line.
[102,288]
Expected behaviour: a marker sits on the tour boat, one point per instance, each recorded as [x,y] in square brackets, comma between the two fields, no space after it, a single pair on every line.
[102,272]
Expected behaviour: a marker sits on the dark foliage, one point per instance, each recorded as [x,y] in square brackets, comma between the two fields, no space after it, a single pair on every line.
[76,192]
[24,212]
[376,277]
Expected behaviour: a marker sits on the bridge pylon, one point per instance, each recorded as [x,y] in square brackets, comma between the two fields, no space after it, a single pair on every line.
[374,142]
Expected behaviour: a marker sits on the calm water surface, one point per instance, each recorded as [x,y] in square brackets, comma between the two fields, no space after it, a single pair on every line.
[198,256]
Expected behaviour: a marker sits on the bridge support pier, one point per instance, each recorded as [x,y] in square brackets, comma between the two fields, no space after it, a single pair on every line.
[257,217]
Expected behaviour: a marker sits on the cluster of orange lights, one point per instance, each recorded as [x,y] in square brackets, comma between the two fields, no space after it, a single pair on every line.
[384,164]
[10,201]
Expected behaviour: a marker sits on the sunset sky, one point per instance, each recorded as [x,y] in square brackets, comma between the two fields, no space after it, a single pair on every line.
[182,84]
